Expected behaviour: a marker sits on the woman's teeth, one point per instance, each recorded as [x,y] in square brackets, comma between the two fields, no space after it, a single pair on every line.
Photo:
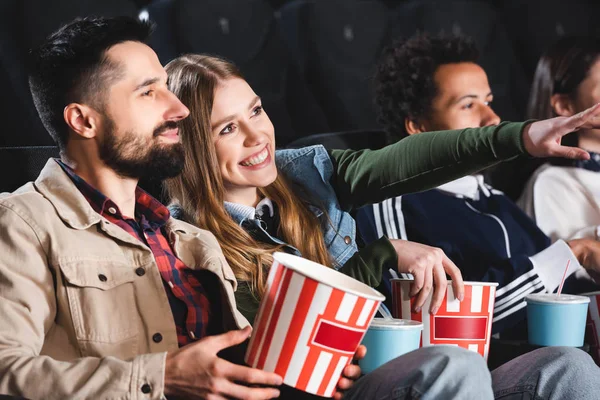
[259,158]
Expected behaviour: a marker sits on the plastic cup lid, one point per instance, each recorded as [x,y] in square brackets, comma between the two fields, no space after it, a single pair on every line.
[552,298]
[405,324]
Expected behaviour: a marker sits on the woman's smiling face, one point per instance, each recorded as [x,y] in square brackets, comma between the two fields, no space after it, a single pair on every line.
[244,140]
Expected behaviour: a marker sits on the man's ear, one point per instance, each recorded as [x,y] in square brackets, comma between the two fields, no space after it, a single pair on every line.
[82,120]
[562,105]
[412,126]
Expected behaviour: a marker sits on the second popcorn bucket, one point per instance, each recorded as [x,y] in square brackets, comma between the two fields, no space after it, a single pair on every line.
[466,324]
[310,322]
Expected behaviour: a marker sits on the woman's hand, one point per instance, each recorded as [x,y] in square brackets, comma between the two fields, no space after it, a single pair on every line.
[542,138]
[429,265]
[350,373]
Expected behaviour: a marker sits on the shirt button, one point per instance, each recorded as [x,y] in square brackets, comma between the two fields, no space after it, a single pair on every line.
[347,240]
[140,271]
[102,278]
[192,335]
[157,338]
[112,210]
[146,388]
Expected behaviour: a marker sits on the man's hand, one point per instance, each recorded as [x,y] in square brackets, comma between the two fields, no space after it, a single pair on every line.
[542,138]
[429,266]
[350,373]
[587,252]
[195,372]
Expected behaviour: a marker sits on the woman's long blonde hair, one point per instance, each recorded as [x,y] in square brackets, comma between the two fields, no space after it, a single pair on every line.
[199,189]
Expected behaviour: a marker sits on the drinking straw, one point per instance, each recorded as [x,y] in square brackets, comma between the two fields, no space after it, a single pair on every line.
[563,279]
[385,312]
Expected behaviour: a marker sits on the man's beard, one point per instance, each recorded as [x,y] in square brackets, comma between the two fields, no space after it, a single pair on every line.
[136,156]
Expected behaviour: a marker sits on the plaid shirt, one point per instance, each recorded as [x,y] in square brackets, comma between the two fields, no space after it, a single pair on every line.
[187,298]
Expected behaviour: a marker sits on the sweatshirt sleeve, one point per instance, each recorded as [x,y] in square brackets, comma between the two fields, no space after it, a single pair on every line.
[421,162]
[27,311]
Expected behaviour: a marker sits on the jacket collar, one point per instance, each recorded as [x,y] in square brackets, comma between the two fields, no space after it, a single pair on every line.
[469,187]
[71,206]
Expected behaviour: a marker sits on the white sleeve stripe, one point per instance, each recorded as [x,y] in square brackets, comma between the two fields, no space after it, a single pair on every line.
[400,218]
[390,219]
[377,218]
[519,294]
[526,276]
[514,309]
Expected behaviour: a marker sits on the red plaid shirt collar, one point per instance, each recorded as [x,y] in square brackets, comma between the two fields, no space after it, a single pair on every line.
[154,211]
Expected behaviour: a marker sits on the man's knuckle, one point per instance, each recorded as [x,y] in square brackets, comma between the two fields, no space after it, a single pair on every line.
[218,368]
[251,377]
[214,385]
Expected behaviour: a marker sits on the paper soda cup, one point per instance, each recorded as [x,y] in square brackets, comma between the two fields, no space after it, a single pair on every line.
[592,328]
[310,323]
[554,320]
[466,324]
[388,339]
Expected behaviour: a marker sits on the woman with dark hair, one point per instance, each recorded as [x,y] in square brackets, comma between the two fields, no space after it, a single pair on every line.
[563,196]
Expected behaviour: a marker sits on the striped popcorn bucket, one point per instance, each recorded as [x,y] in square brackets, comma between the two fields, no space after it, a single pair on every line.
[592,328]
[466,324]
[310,322]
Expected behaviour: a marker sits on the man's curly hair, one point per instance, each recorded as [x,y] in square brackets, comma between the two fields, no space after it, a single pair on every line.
[404,81]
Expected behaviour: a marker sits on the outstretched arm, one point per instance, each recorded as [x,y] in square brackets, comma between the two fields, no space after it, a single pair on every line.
[427,160]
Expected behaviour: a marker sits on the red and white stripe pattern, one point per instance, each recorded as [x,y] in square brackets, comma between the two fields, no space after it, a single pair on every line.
[592,329]
[466,324]
[307,332]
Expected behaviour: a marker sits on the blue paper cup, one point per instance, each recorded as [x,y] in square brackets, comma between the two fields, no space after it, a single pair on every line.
[554,320]
[388,339]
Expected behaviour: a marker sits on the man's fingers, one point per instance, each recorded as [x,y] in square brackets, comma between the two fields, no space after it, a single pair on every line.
[351,371]
[211,396]
[439,288]
[249,375]
[425,290]
[344,384]
[235,391]
[229,339]
[458,285]
[360,352]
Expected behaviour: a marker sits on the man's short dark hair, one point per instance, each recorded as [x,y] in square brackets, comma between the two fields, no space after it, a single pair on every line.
[71,66]
[404,80]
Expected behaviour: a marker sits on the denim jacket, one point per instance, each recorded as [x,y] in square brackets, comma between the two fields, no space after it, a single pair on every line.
[309,170]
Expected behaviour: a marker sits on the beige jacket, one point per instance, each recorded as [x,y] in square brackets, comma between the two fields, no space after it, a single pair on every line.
[64,332]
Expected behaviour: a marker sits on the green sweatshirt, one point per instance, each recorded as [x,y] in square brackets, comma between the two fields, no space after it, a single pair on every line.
[416,163]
